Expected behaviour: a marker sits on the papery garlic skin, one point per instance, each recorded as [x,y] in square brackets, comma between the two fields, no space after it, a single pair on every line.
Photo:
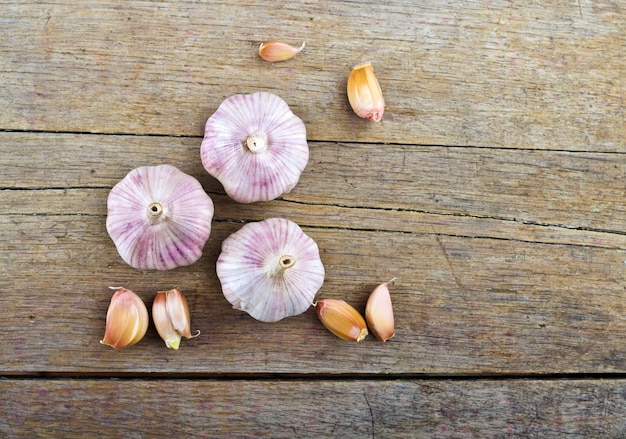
[379,312]
[127,320]
[255,146]
[342,319]
[270,269]
[275,51]
[170,313]
[159,218]
[364,93]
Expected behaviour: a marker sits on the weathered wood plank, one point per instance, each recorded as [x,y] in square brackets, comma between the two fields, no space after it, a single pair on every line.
[92,202]
[499,73]
[565,189]
[316,409]
[480,291]
[508,239]
[462,305]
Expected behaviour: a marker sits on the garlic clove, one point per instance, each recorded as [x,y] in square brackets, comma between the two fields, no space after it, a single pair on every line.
[170,313]
[270,269]
[163,323]
[364,93]
[275,51]
[255,146]
[127,320]
[379,312]
[178,311]
[159,218]
[341,319]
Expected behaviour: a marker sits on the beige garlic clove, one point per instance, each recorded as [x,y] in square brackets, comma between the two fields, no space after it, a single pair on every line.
[364,93]
[341,319]
[275,51]
[379,312]
[127,320]
[170,313]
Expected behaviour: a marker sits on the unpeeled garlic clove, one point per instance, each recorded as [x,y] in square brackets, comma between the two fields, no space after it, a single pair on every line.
[379,312]
[364,93]
[127,320]
[341,319]
[170,313]
[275,51]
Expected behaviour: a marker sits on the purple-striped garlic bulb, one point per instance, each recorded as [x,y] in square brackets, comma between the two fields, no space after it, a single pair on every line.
[270,269]
[159,218]
[255,146]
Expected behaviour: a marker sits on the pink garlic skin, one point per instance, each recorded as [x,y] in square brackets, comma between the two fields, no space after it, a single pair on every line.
[159,218]
[266,172]
[250,274]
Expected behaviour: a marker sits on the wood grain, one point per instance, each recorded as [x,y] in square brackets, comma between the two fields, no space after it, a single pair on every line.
[480,290]
[494,190]
[462,305]
[318,409]
[571,190]
[513,75]
[91,201]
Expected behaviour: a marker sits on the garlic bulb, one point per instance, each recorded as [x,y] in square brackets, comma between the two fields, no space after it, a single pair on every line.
[270,269]
[255,146]
[159,218]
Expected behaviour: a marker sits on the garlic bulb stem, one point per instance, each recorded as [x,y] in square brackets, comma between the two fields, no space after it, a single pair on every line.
[286,261]
[155,210]
[256,144]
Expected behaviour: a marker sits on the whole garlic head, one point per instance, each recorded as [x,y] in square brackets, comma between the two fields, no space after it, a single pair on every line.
[159,218]
[255,146]
[270,269]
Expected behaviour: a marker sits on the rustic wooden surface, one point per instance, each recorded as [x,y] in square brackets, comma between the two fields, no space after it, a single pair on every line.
[494,190]
[285,409]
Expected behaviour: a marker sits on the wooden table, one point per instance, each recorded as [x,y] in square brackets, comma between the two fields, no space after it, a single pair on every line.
[494,190]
